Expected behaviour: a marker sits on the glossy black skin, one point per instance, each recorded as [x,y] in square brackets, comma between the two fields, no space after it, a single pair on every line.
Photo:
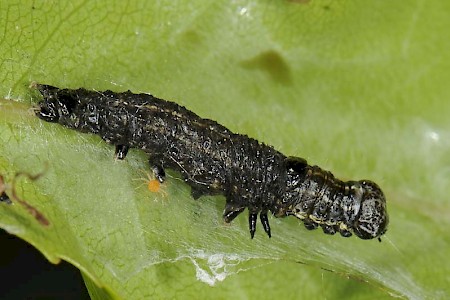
[213,161]
[3,196]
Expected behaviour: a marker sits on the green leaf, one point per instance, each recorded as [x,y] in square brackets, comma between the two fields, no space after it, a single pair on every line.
[359,88]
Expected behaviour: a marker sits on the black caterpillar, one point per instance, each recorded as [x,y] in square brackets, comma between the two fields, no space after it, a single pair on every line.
[213,160]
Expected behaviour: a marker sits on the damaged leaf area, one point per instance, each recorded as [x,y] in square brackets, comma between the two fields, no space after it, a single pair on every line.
[360,89]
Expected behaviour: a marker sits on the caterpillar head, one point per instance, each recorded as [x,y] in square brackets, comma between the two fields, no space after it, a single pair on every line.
[372,219]
[57,103]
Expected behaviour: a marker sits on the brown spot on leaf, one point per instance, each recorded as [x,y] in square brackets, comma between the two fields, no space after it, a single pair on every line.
[271,63]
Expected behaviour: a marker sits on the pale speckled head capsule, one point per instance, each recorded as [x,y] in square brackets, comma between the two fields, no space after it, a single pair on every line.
[372,219]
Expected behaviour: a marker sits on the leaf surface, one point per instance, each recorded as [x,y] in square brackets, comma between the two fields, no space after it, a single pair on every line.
[358,88]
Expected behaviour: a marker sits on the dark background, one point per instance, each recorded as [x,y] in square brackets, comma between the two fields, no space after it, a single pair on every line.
[26,274]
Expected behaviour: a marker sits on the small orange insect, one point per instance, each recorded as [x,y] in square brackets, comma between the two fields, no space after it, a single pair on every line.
[152,183]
